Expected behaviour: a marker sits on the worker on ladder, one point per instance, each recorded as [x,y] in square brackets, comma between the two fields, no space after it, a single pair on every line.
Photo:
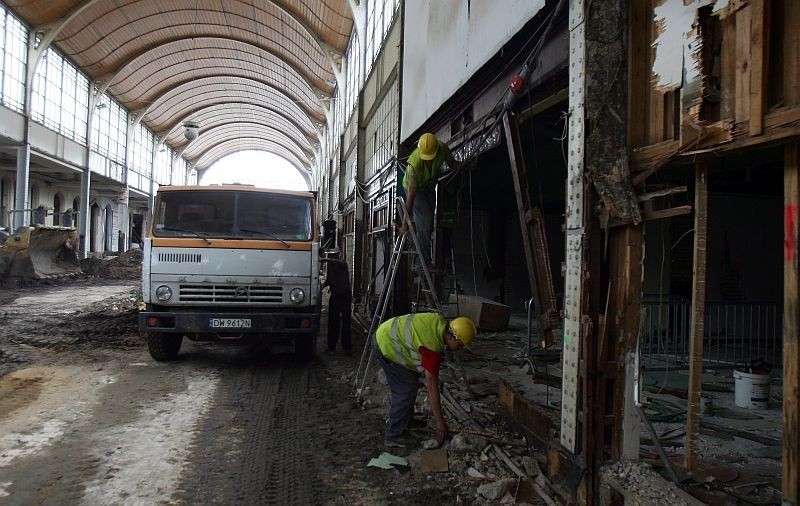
[422,172]
[408,346]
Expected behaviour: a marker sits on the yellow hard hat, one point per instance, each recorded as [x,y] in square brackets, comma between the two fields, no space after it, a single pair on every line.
[427,145]
[464,330]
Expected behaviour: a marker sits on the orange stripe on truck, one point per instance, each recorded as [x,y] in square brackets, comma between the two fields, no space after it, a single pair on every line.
[196,242]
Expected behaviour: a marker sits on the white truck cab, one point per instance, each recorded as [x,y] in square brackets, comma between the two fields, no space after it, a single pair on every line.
[230,262]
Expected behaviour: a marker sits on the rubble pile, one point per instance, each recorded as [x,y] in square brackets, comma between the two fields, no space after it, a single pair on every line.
[127,265]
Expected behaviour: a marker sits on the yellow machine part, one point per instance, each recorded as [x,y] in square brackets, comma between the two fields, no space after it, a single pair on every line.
[40,252]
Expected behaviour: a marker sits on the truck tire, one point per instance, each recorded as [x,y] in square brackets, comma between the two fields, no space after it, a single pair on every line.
[305,346]
[163,347]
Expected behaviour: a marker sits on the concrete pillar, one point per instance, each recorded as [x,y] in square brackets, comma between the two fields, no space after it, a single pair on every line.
[22,219]
[84,218]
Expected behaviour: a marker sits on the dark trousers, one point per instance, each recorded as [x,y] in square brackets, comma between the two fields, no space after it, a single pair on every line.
[339,315]
[403,386]
[424,209]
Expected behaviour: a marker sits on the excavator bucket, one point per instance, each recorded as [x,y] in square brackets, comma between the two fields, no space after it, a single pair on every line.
[40,252]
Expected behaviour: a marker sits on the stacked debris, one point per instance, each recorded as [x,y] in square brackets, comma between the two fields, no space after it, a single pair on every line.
[482,458]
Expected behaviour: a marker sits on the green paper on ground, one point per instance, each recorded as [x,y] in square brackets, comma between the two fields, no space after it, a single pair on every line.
[387,460]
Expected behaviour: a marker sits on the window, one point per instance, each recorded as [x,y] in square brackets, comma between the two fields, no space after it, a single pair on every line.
[251,215]
[142,152]
[381,132]
[110,129]
[60,97]
[380,14]
[163,169]
[14,60]
[57,209]
[352,75]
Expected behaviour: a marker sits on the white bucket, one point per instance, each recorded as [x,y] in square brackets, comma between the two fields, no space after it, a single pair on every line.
[751,390]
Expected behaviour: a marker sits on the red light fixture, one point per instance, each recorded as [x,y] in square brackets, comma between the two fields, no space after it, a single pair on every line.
[517,84]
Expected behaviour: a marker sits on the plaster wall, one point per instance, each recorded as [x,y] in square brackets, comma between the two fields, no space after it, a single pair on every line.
[446,42]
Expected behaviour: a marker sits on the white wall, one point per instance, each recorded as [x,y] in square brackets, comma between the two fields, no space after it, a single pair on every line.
[445,42]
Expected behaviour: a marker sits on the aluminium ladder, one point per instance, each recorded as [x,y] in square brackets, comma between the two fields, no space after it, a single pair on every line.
[368,354]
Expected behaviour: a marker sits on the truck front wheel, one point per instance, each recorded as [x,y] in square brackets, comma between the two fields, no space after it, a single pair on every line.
[163,347]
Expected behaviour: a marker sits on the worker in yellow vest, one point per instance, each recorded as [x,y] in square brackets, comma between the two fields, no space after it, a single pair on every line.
[411,345]
[422,173]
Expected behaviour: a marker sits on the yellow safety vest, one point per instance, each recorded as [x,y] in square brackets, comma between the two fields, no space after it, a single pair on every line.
[400,338]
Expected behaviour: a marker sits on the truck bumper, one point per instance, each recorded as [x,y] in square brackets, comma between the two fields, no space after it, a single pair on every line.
[203,325]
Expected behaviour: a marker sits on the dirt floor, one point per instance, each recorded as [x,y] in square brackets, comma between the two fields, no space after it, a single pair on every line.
[86,416]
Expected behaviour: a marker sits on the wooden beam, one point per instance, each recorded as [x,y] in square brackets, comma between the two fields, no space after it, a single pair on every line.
[791,327]
[623,328]
[791,50]
[781,124]
[727,107]
[639,84]
[698,314]
[743,62]
[759,43]
[543,105]
[534,238]
[659,214]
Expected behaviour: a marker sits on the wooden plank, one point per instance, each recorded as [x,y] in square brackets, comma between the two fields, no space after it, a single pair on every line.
[623,326]
[743,61]
[759,42]
[791,327]
[698,314]
[728,70]
[791,50]
[639,72]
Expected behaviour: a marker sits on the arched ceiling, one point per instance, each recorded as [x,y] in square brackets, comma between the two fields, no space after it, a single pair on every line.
[249,72]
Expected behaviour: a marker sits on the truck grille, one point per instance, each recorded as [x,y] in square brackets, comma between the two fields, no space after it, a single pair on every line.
[241,294]
[180,258]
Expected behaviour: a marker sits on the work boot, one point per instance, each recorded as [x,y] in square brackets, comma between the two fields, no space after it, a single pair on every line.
[404,441]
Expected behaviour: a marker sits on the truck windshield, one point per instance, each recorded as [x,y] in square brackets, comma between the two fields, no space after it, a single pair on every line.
[233,214]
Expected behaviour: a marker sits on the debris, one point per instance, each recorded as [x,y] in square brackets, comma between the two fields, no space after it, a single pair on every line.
[768,452]
[387,461]
[497,489]
[508,499]
[434,461]
[474,473]
[467,443]
[531,467]
[430,444]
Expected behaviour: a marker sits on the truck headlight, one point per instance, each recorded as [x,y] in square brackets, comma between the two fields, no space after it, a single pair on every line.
[163,293]
[297,295]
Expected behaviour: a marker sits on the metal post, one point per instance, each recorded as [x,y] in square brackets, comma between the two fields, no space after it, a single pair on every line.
[84,217]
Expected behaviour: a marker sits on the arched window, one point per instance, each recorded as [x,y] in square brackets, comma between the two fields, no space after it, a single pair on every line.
[76,202]
[4,202]
[34,200]
[57,209]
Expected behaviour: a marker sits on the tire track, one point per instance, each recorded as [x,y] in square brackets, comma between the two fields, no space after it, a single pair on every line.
[252,447]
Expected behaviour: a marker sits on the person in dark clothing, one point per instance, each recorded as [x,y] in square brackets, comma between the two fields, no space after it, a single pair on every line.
[339,308]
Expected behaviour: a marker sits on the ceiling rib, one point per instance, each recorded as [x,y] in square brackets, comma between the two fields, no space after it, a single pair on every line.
[296,91]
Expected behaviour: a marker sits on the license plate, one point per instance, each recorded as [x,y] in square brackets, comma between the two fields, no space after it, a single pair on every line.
[229,323]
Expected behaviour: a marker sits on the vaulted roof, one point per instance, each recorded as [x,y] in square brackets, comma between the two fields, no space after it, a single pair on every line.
[249,72]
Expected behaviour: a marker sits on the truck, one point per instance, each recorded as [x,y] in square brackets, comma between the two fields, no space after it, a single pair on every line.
[230,262]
